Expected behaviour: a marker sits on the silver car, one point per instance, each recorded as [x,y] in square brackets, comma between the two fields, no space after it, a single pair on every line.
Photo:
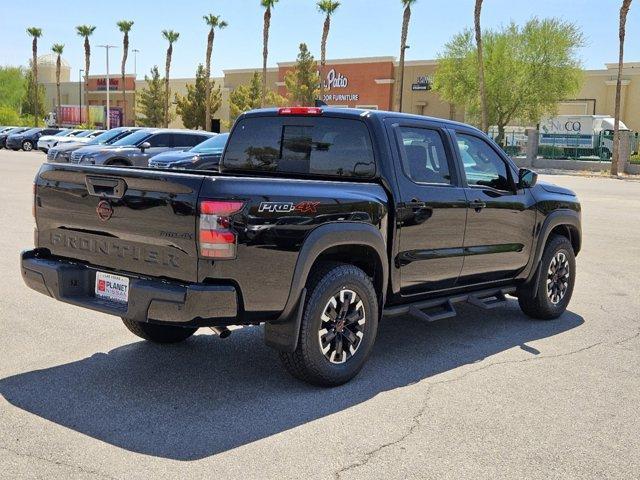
[136,149]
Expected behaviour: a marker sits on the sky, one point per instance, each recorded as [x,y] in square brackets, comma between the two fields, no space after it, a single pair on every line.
[360,28]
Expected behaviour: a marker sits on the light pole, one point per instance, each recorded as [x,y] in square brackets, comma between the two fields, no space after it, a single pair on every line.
[135,79]
[79,92]
[402,77]
[108,120]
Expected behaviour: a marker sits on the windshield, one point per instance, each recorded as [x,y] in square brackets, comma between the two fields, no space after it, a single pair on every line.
[31,130]
[63,133]
[107,137]
[213,145]
[17,130]
[133,139]
[85,134]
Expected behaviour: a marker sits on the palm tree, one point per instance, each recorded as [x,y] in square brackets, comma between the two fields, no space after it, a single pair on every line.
[58,48]
[214,22]
[624,10]
[268,5]
[406,18]
[328,7]
[171,37]
[483,94]
[86,31]
[35,33]
[125,28]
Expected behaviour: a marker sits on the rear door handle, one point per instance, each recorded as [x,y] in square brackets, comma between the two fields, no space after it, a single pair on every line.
[477,205]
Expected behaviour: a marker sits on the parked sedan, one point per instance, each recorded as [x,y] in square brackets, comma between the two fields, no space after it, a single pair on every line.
[62,152]
[11,131]
[28,139]
[205,156]
[47,142]
[84,137]
[139,147]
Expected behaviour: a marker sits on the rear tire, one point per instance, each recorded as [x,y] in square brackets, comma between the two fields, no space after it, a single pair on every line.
[549,298]
[339,326]
[158,333]
[27,145]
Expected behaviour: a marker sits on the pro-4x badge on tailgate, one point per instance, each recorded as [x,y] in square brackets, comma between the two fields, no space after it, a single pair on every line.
[289,207]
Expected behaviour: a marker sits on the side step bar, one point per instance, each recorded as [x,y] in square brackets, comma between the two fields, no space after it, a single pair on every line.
[442,307]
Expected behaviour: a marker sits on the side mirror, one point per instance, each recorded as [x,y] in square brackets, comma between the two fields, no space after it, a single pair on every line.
[527,178]
[144,146]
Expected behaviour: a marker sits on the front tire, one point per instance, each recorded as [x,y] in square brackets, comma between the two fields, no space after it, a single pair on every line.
[156,333]
[27,145]
[339,326]
[549,298]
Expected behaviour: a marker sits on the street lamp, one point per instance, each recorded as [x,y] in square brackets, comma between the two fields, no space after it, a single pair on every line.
[402,76]
[135,79]
[79,92]
[108,120]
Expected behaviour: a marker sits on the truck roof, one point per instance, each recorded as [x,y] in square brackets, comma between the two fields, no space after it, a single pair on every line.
[359,113]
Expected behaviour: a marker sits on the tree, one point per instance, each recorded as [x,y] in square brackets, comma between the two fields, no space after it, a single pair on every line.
[125,27]
[328,7]
[267,5]
[12,85]
[85,31]
[406,18]
[32,102]
[527,70]
[483,94]
[214,22]
[35,33]
[303,81]
[151,101]
[615,158]
[171,37]
[58,48]
[193,107]
[248,97]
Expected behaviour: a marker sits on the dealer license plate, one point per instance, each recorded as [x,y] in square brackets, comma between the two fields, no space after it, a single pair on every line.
[112,287]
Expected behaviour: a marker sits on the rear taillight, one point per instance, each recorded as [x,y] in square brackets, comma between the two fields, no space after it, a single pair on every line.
[300,111]
[216,237]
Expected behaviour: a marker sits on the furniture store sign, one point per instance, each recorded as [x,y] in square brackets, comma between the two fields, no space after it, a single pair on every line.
[333,83]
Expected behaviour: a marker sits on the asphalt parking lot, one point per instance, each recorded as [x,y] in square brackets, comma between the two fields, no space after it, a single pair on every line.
[484,395]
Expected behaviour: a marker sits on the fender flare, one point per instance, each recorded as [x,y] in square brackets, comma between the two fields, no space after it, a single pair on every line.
[283,332]
[558,217]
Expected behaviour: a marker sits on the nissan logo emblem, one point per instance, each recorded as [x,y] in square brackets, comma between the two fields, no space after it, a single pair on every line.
[104,210]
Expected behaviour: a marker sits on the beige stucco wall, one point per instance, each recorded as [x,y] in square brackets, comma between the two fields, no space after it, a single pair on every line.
[424,102]
[599,88]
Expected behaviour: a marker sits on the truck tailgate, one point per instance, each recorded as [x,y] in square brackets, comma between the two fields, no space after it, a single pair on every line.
[128,220]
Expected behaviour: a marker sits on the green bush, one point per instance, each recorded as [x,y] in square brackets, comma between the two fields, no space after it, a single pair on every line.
[8,116]
[550,151]
[635,159]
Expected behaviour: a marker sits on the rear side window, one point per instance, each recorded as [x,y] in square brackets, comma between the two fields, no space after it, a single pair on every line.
[423,155]
[189,139]
[162,140]
[307,146]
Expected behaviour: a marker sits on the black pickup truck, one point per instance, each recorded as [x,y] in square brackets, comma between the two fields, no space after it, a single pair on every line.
[320,222]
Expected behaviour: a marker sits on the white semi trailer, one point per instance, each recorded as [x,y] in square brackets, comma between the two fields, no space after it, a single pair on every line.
[580,135]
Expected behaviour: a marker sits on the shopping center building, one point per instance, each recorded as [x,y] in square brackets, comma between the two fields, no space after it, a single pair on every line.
[355,82]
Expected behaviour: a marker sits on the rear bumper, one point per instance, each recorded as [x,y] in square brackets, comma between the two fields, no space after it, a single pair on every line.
[149,299]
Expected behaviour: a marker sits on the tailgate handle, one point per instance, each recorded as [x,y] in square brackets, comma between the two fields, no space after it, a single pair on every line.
[106,187]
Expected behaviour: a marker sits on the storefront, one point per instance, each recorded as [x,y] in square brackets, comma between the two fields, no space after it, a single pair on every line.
[361,83]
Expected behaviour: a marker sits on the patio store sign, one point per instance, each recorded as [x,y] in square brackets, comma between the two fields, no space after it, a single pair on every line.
[335,80]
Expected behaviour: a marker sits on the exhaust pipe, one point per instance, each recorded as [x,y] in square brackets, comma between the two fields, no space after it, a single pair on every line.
[222,332]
